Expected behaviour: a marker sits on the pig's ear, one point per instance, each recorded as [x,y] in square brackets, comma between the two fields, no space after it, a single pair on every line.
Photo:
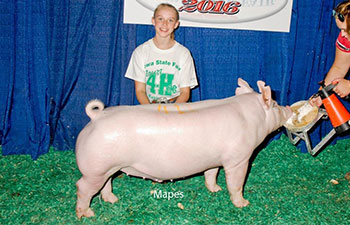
[243,87]
[265,93]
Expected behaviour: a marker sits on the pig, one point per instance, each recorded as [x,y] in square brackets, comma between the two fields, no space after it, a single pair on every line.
[174,141]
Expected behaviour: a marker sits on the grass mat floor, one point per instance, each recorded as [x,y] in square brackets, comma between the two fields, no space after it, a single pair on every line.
[283,186]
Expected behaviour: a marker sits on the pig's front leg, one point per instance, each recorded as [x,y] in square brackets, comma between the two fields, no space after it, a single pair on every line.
[107,194]
[235,177]
[210,180]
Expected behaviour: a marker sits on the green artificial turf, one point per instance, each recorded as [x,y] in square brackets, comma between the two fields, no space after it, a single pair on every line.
[283,186]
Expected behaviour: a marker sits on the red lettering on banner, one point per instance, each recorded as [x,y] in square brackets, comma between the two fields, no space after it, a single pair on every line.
[209,6]
[217,7]
[189,6]
[205,6]
[231,8]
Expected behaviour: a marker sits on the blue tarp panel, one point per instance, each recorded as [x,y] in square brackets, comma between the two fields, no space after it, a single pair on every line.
[55,56]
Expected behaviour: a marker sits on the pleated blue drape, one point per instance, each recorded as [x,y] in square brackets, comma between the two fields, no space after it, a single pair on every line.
[24,107]
[56,55]
[89,47]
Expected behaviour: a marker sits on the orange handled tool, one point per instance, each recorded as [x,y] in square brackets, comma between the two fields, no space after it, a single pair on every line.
[336,111]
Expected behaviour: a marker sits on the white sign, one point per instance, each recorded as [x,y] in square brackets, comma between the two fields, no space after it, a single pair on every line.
[268,15]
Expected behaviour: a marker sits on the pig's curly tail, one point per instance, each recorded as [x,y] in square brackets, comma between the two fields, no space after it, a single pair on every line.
[93,108]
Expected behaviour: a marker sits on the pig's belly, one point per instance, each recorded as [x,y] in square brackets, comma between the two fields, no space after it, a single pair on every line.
[165,171]
[183,154]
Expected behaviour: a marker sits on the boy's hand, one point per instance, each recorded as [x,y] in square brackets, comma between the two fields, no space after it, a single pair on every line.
[315,101]
[342,88]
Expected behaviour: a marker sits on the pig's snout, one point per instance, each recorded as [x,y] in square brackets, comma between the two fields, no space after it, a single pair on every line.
[290,112]
[287,111]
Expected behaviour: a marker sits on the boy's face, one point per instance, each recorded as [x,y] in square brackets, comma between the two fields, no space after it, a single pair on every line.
[165,21]
[342,26]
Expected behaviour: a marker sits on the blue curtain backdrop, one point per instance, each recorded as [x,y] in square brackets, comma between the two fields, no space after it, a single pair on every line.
[56,55]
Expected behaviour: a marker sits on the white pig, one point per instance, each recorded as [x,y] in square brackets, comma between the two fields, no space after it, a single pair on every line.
[171,141]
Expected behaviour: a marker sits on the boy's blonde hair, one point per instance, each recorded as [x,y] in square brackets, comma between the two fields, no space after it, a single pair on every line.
[344,9]
[169,6]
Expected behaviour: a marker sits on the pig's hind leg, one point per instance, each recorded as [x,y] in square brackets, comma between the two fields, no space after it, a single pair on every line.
[235,176]
[87,187]
[210,180]
[106,192]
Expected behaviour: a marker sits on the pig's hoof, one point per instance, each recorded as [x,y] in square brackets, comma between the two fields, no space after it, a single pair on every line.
[84,212]
[110,198]
[240,203]
[213,188]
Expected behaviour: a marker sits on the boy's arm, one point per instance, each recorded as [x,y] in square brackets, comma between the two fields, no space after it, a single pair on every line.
[338,71]
[184,95]
[140,89]
[339,68]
